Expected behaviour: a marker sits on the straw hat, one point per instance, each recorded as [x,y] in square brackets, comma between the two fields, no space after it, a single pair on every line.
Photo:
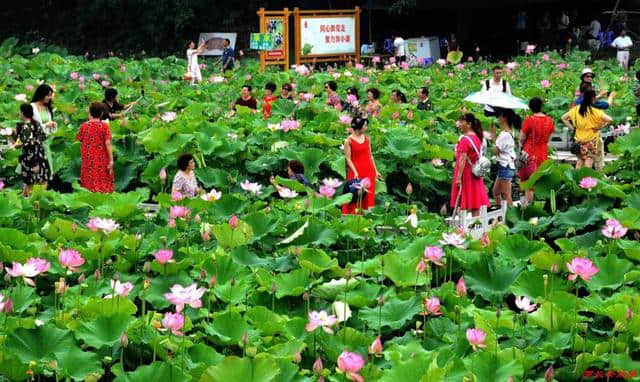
[586,71]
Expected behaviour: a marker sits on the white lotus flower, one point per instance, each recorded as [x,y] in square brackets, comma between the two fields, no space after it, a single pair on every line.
[251,187]
[212,196]
[341,310]
[287,193]
[332,182]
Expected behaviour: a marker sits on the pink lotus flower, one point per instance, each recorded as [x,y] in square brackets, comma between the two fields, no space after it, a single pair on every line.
[364,80]
[613,229]
[321,319]
[61,286]
[327,191]
[173,322]
[404,65]
[1,185]
[181,296]
[233,221]
[421,267]
[562,66]
[81,86]
[105,83]
[441,62]
[484,72]
[545,57]
[205,236]
[453,239]
[176,196]
[29,88]
[254,188]
[73,75]
[318,366]
[163,256]
[335,75]
[171,223]
[530,49]
[123,68]
[432,306]
[470,59]
[375,59]
[434,254]
[177,212]
[350,364]
[581,267]
[105,225]
[364,184]
[461,287]
[302,70]
[345,119]
[169,116]
[289,124]
[81,78]
[376,347]
[588,183]
[306,97]
[351,98]
[331,182]
[32,268]
[450,74]
[460,66]
[163,175]
[523,303]
[512,65]
[120,289]
[476,338]
[71,259]
[545,83]
[437,162]
[6,306]
[287,193]
[387,67]
[359,67]
[392,60]
[96,76]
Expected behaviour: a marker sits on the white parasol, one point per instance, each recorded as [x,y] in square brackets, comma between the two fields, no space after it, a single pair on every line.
[497,99]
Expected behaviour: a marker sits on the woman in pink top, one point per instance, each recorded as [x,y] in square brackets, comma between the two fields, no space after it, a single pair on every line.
[473,194]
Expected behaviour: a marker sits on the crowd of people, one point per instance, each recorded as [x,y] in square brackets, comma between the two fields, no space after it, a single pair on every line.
[468,193]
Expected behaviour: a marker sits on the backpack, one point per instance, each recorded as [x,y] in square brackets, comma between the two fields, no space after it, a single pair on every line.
[482,167]
[504,85]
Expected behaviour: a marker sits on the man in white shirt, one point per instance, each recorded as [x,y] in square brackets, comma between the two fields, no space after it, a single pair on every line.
[594,29]
[401,49]
[623,43]
[495,84]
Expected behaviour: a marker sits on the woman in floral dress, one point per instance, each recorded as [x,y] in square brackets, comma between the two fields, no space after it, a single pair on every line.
[31,137]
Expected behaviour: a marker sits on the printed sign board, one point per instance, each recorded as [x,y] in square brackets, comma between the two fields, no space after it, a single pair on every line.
[214,42]
[275,27]
[327,35]
[261,41]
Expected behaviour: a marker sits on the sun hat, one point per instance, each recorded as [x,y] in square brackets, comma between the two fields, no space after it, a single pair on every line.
[586,71]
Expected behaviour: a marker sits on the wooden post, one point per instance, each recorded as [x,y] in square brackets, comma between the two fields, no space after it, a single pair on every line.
[296,42]
[263,28]
[357,30]
[285,35]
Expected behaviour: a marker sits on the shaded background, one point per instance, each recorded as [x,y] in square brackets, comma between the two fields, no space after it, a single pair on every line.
[162,27]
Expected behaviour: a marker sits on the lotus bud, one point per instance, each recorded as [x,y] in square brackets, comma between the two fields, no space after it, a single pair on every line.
[197,218]
[163,175]
[349,273]
[7,307]
[298,251]
[305,296]
[109,262]
[318,366]
[510,379]
[116,276]
[172,223]
[629,314]
[124,340]
[52,365]
[146,267]
[274,288]
[545,277]
[206,236]
[74,227]
[7,278]
[233,221]
[213,281]
[297,358]
[306,203]
[554,268]
[107,360]
[96,274]
[387,205]
[549,375]
[146,284]
[409,189]
[203,274]
[381,300]
[245,338]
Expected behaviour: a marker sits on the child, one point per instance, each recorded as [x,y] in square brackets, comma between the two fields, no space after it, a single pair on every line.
[268,99]
[295,170]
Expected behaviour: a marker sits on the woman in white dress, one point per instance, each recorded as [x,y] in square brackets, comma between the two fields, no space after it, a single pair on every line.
[192,61]
[42,104]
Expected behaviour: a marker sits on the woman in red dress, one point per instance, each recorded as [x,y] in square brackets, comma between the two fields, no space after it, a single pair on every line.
[360,165]
[473,193]
[534,138]
[96,172]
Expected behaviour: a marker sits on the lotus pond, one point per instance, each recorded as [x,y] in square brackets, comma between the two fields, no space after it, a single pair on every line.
[244,285]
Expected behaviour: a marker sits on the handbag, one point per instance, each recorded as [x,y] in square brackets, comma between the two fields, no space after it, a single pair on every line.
[482,167]
[187,76]
[523,159]
[353,187]
[575,146]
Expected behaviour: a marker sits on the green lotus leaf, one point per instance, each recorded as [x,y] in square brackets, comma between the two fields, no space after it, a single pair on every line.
[41,344]
[229,237]
[577,218]
[160,371]
[12,368]
[104,331]
[611,274]
[489,368]
[227,328]
[518,247]
[531,284]
[316,260]
[402,271]
[552,318]
[628,217]
[490,279]
[410,363]
[294,283]
[78,364]
[403,145]
[395,313]
[259,369]
[316,233]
